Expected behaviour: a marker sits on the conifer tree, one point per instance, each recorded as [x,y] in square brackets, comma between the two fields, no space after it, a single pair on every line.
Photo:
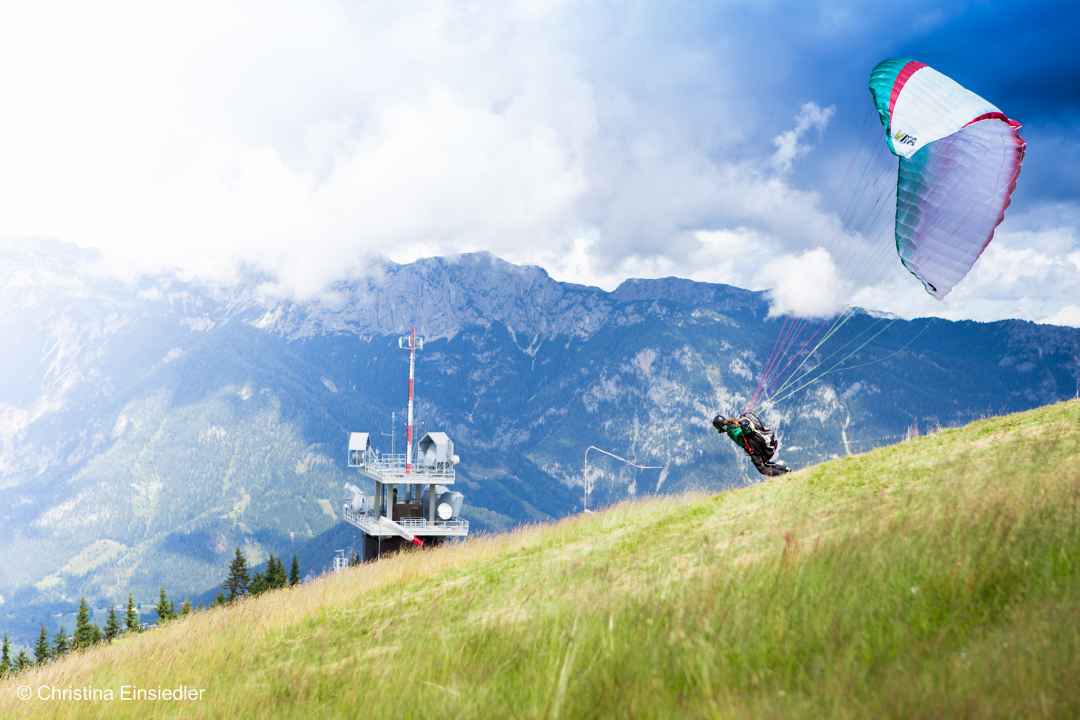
[294,572]
[220,599]
[84,629]
[164,608]
[271,573]
[275,573]
[22,662]
[131,617]
[5,657]
[185,608]
[61,644]
[237,583]
[258,584]
[112,625]
[282,575]
[41,649]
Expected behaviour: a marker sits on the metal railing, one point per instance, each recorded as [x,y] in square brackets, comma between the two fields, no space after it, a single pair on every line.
[369,523]
[422,523]
[362,520]
[394,464]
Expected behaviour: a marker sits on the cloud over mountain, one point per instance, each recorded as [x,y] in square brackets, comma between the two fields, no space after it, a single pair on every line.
[600,144]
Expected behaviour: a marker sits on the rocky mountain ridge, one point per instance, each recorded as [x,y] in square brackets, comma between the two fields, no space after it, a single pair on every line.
[147,428]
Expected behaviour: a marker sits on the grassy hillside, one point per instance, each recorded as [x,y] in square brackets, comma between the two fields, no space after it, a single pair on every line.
[935,578]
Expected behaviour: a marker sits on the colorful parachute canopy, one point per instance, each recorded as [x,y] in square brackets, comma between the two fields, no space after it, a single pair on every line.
[959,160]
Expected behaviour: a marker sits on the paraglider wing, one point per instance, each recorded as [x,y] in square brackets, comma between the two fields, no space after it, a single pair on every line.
[960,157]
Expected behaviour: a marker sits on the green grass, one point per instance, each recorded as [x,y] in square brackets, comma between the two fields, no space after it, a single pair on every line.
[935,578]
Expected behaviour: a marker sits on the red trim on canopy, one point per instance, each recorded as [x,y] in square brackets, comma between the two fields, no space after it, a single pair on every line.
[901,79]
[995,116]
[1021,150]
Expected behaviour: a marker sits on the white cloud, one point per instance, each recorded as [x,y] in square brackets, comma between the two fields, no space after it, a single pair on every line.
[300,144]
[1023,273]
[1068,315]
[789,144]
[804,285]
[324,134]
[320,136]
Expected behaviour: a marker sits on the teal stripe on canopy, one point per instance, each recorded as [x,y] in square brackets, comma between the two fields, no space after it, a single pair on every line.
[882,79]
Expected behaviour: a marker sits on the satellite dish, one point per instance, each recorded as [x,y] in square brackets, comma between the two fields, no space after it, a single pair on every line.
[445,511]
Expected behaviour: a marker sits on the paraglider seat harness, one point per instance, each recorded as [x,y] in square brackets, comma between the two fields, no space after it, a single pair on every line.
[758,440]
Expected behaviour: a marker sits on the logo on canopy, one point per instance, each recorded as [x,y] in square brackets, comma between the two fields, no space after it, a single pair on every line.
[904,139]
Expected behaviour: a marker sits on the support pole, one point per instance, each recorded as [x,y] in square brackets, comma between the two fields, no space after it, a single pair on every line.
[412,380]
[587,486]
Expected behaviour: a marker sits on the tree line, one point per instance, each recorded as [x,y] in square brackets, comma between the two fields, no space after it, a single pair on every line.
[238,584]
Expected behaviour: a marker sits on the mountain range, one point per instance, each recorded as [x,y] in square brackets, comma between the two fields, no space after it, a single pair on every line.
[149,427]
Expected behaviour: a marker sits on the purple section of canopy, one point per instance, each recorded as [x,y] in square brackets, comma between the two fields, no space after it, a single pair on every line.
[952,195]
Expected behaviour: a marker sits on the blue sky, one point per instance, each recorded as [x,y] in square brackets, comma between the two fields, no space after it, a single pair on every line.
[729,142]
[1019,55]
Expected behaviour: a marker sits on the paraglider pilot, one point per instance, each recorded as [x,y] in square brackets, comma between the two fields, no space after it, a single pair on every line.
[759,442]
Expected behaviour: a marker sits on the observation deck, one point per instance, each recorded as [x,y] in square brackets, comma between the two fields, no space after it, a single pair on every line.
[370,523]
[390,469]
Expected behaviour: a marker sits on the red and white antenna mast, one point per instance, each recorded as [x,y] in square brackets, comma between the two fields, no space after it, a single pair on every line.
[412,343]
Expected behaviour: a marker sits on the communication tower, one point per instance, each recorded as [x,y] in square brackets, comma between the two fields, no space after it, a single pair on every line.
[412,502]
